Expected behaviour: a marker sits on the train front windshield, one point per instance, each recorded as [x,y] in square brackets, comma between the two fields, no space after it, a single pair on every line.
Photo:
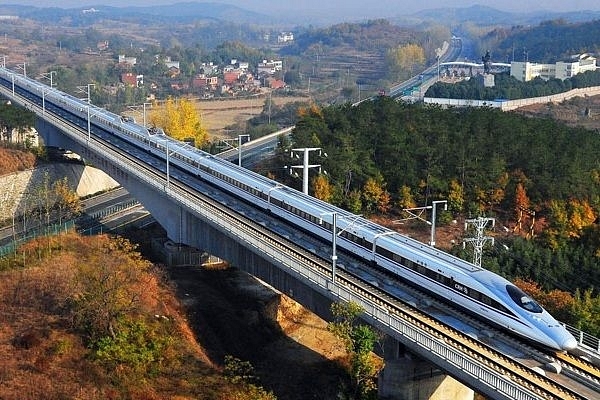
[522,299]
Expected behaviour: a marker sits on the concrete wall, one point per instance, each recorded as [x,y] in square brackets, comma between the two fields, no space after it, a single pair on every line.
[508,105]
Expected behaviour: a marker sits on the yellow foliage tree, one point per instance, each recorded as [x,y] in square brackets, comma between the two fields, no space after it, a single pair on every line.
[180,120]
[581,215]
[375,196]
[322,188]
[67,200]
[312,110]
[406,198]
[407,57]
[456,196]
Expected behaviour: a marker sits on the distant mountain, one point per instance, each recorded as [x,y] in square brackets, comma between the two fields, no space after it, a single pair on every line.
[194,10]
[211,11]
[182,12]
[484,15]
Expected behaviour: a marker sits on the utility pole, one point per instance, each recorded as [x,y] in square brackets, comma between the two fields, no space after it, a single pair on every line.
[479,240]
[433,212]
[239,145]
[413,215]
[305,165]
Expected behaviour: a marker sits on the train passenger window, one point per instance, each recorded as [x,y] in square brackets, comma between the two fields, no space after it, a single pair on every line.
[522,299]
[384,252]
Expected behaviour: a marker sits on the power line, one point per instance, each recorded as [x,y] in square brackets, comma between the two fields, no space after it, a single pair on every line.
[479,240]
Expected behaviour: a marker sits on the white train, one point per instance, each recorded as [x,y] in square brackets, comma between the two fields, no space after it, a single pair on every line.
[472,288]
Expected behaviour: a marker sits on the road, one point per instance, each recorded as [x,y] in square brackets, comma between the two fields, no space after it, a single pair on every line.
[415,87]
[107,211]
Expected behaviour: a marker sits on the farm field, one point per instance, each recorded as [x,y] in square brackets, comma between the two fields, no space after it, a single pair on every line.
[218,115]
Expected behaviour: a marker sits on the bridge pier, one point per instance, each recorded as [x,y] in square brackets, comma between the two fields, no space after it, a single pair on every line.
[406,376]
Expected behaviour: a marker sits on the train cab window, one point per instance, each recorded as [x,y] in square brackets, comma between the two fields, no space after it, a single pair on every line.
[523,300]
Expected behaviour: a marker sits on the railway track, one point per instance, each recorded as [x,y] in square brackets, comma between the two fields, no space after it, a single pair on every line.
[538,385]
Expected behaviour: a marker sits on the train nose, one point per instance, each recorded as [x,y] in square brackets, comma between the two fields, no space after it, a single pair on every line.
[569,343]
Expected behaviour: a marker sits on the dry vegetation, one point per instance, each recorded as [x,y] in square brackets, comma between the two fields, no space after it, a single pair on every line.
[578,111]
[14,160]
[45,351]
[220,115]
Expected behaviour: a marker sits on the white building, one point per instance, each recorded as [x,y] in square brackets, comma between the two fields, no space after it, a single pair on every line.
[269,67]
[285,37]
[131,61]
[579,63]
[526,71]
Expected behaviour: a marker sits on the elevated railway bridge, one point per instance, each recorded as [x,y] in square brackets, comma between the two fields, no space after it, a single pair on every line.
[423,347]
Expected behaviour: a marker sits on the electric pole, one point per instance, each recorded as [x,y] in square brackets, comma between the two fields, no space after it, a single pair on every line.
[479,240]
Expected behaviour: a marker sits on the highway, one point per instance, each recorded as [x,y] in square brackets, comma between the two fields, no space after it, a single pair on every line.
[415,87]
[101,213]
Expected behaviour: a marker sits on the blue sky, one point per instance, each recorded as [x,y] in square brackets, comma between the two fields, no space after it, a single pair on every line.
[357,8]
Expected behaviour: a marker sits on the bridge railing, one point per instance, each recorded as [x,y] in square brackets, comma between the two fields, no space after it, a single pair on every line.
[585,339]
[425,343]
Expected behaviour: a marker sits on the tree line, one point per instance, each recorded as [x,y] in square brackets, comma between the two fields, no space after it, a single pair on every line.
[548,42]
[538,176]
[509,88]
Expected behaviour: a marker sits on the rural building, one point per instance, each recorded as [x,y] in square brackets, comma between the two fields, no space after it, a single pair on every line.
[579,63]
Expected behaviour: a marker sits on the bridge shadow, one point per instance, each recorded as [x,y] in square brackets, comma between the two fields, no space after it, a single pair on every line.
[231,313]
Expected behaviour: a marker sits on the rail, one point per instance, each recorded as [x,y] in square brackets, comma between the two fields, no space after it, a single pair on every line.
[497,381]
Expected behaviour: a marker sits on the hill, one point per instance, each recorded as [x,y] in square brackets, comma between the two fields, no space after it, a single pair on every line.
[13,160]
[482,15]
[57,297]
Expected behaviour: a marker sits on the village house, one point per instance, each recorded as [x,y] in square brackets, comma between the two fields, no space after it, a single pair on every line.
[208,68]
[102,45]
[232,76]
[269,67]
[274,83]
[170,63]
[285,37]
[202,81]
[127,61]
[132,80]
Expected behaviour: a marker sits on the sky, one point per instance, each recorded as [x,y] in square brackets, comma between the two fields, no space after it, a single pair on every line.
[357,8]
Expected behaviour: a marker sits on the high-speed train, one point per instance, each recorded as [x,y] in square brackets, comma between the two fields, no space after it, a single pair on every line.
[474,289]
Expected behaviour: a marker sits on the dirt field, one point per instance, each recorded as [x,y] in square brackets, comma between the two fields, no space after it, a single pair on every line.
[579,111]
[219,114]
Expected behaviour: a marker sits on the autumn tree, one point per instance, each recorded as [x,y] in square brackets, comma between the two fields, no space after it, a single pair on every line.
[375,196]
[522,205]
[406,57]
[322,188]
[109,288]
[67,200]
[567,219]
[581,215]
[180,120]
[456,197]
[406,198]
[359,341]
